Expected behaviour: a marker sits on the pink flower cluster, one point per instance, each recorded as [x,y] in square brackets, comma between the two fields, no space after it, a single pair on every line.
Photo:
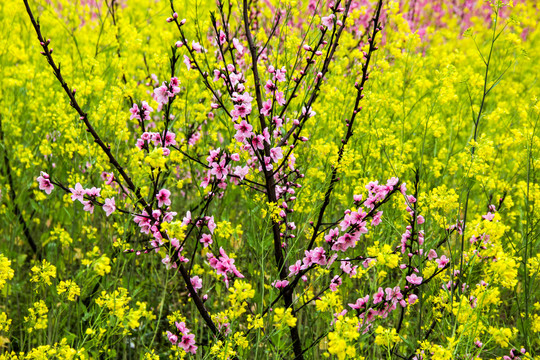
[166,91]
[389,298]
[79,192]
[141,113]
[158,140]
[223,265]
[354,223]
[220,166]
[149,223]
[186,340]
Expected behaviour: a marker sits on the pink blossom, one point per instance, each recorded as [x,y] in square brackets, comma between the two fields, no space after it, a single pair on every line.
[478,343]
[332,234]
[432,254]
[222,37]
[187,219]
[163,197]
[187,61]
[295,269]
[109,207]
[280,74]
[175,85]
[412,298]
[196,282]
[167,262]
[238,46]
[88,206]
[377,218]
[211,224]
[134,112]
[258,142]
[308,112]
[414,279]
[93,192]
[267,107]
[243,130]
[442,261]
[276,154]
[346,241]
[348,268]
[181,327]
[206,240]
[45,183]
[241,110]
[162,94]
[394,295]
[223,265]
[489,216]
[379,296]
[328,21]
[280,99]
[335,282]
[172,338]
[270,87]
[77,193]
[360,303]
[219,169]
[188,344]
[280,284]
[241,172]
[196,46]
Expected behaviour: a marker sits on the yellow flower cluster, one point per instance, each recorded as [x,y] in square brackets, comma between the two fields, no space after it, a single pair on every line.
[283,318]
[43,273]
[37,317]
[341,341]
[69,287]
[6,272]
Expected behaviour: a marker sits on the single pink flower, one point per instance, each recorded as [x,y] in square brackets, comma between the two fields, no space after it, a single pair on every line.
[88,206]
[328,21]
[196,282]
[196,46]
[379,296]
[45,183]
[276,154]
[360,303]
[243,130]
[238,46]
[211,224]
[187,219]
[206,240]
[432,254]
[489,216]
[267,107]
[110,206]
[241,172]
[414,279]
[163,197]
[77,193]
[187,61]
[162,94]
[219,169]
[442,261]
